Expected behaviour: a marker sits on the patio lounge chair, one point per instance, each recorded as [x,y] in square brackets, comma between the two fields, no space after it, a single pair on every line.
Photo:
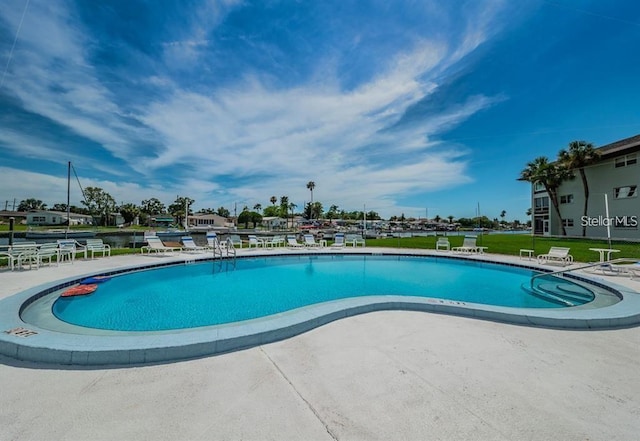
[155,244]
[69,248]
[97,246]
[468,246]
[293,243]
[443,244]
[47,252]
[310,241]
[355,240]
[274,242]
[235,240]
[255,242]
[189,245]
[338,241]
[556,255]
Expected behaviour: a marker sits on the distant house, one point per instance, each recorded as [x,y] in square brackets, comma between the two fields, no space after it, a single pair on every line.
[208,221]
[18,216]
[53,218]
[617,175]
[274,223]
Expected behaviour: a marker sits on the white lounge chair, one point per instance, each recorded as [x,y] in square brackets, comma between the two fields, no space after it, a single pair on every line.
[235,240]
[47,252]
[189,245]
[469,246]
[355,240]
[97,246]
[255,242]
[310,241]
[69,248]
[293,243]
[338,241]
[556,255]
[155,244]
[274,242]
[443,244]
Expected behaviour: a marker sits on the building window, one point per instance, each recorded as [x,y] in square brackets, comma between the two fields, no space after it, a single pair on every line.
[39,218]
[567,222]
[629,191]
[625,160]
[537,186]
[566,199]
[541,205]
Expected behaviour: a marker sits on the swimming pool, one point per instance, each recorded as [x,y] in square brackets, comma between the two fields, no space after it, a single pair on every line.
[33,333]
[216,293]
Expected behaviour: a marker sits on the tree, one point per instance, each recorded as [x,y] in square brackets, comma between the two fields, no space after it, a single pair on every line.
[257,207]
[550,175]
[59,207]
[284,206]
[244,218]
[311,185]
[273,200]
[223,212]
[129,212]
[333,212]
[503,213]
[292,207]
[99,203]
[179,207]
[579,155]
[32,204]
[450,217]
[152,206]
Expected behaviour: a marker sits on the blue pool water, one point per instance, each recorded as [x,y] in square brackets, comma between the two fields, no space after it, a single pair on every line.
[212,293]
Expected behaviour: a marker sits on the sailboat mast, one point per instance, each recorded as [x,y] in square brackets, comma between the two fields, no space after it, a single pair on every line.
[68,199]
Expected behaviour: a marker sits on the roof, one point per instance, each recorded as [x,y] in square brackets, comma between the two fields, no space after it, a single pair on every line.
[627,145]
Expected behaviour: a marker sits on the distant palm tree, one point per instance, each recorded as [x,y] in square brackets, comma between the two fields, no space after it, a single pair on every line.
[273,200]
[292,207]
[579,155]
[503,213]
[311,185]
[550,175]
[257,207]
[450,217]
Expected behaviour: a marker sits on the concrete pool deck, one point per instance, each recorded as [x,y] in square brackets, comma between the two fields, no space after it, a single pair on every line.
[382,375]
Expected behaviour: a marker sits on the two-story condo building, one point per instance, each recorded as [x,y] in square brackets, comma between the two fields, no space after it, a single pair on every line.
[616,175]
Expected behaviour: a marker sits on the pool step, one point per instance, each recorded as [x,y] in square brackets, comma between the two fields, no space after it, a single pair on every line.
[562,293]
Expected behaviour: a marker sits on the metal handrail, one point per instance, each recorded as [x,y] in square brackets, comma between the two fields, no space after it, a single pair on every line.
[564,270]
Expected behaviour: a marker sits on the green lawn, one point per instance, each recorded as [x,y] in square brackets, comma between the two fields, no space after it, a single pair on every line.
[511,244]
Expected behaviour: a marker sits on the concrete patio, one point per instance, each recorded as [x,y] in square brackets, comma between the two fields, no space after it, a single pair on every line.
[383,375]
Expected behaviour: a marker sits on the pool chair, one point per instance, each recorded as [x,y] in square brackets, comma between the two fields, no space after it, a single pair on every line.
[213,243]
[155,244]
[559,255]
[189,245]
[355,240]
[274,242]
[293,243]
[255,242]
[310,241]
[47,252]
[443,244]
[235,240]
[469,246]
[69,248]
[338,241]
[97,246]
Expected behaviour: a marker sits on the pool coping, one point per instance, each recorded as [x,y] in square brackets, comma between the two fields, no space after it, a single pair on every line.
[24,341]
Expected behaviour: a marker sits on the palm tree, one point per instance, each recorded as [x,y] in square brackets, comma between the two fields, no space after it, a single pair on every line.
[503,213]
[273,200]
[257,207]
[292,207]
[579,155]
[550,175]
[311,185]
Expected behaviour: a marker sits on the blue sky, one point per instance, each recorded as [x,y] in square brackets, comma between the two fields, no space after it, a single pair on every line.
[424,107]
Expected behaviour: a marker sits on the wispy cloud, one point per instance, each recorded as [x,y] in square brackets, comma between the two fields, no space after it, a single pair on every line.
[251,137]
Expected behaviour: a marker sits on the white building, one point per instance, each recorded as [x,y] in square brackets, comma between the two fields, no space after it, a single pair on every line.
[616,175]
[52,218]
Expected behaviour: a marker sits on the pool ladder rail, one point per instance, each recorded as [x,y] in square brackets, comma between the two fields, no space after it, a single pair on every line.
[227,249]
[562,293]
